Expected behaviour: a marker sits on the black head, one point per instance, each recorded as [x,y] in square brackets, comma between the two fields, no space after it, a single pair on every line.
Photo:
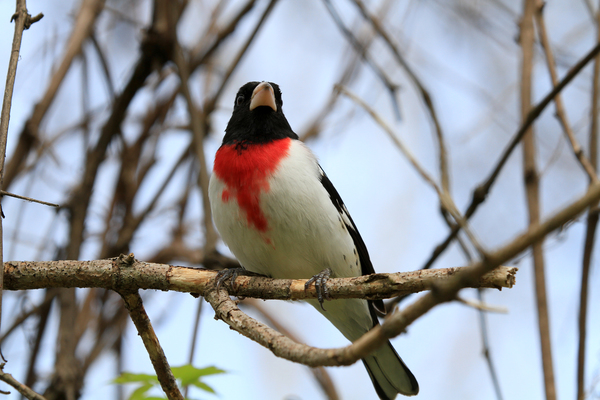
[257,115]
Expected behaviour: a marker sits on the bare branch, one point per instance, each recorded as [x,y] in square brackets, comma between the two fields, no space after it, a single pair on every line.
[395,324]
[133,303]
[591,228]
[560,109]
[426,97]
[26,391]
[320,373]
[445,200]
[23,21]
[84,24]
[531,180]
[16,196]
[109,274]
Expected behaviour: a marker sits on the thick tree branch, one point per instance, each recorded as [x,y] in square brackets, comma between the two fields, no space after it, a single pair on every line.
[111,274]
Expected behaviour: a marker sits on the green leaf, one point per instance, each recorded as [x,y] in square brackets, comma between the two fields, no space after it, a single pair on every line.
[140,393]
[128,377]
[189,375]
[186,374]
[204,386]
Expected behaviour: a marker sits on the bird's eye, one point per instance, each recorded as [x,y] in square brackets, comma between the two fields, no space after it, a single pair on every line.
[239,100]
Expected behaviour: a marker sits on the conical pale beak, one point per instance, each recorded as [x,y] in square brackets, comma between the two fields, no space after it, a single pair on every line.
[263,95]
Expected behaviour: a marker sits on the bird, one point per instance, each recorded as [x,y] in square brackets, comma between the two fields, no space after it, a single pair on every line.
[280,215]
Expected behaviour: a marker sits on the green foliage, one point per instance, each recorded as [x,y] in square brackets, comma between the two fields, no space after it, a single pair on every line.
[186,375]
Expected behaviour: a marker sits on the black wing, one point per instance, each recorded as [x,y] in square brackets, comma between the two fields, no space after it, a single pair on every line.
[363,255]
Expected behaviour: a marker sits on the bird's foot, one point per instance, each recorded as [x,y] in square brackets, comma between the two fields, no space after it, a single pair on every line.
[233,273]
[320,281]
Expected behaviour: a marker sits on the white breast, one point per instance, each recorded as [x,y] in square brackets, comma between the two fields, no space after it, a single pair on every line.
[305,232]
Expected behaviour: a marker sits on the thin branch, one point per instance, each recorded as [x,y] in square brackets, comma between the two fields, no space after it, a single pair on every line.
[21,388]
[560,109]
[133,303]
[362,51]
[201,57]
[426,97]
[16,196]
[319,373]
[591,228]
[481,306]
[444,197]
[42,324]
[198,134]
[194,340]
[84,24]
[22,21]
[211,102]
[483,323]
[25,315]
[532,189]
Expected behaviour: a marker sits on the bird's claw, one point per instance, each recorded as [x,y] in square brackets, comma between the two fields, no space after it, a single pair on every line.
[233,273]
[228,273]
[320,281]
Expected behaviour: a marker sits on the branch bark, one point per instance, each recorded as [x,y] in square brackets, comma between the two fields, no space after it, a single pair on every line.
[111,274]
[532,189]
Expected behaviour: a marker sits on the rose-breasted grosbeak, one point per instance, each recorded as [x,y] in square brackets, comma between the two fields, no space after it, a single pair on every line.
[281,217]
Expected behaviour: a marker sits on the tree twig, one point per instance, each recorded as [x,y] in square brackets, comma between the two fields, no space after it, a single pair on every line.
[444,197]
[362,50]
[560,109]
[211,102]
[532,190]
[319,373]
[426,97]
[591,228]
[26,391]
[133,303]
[16,196]
[22,21]
[483,324]
[198,134]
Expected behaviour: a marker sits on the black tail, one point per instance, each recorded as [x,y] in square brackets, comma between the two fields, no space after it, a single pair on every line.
[389,374]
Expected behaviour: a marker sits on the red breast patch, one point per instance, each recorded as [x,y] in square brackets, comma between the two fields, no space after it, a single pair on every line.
[245,170]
